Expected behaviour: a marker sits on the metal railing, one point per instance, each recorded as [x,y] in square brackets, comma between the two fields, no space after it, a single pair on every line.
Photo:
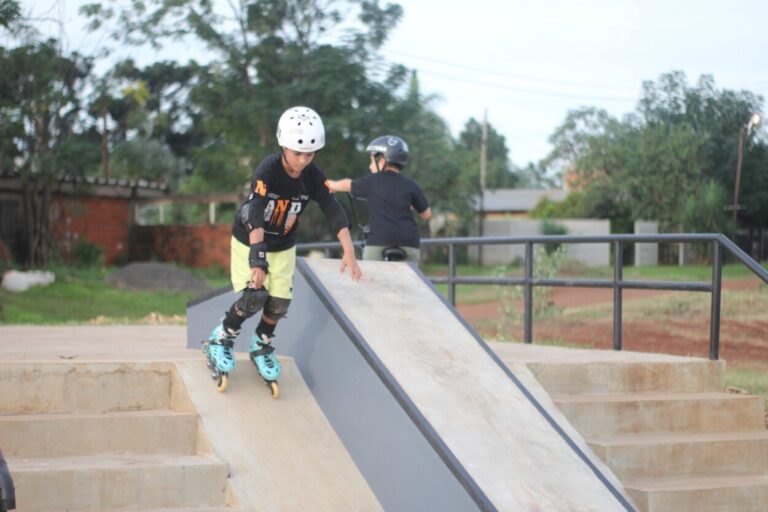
[617,283]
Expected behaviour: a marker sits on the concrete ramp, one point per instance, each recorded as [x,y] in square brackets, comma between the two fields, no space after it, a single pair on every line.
[282,453]
[431,417]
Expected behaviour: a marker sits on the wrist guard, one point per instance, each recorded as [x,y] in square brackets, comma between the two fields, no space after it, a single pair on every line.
[257,258]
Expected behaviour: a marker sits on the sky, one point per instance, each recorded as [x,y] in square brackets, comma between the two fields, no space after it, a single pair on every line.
[528,63]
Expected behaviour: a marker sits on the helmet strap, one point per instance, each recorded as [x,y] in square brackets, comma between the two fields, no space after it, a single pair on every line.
[380,167]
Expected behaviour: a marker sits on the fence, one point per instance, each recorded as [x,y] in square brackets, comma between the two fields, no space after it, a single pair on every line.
[719,243]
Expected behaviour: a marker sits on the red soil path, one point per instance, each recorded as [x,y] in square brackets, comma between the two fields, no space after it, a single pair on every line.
[740,340]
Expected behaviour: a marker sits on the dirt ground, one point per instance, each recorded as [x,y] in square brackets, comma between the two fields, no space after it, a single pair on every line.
[740,340]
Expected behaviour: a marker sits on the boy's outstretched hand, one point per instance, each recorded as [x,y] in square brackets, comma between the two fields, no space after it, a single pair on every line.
[349,260]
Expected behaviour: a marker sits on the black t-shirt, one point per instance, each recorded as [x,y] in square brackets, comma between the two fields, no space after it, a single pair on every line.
[390,196]
[277,200]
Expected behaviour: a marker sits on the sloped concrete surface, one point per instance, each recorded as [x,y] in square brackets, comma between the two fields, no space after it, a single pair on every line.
[505,444]
[283,453]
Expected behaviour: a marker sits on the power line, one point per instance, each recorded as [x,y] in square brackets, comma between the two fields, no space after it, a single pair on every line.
[527,91]
[510,75]
[760,85]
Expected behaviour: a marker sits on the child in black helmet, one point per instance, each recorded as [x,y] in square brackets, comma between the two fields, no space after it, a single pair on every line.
[391,199]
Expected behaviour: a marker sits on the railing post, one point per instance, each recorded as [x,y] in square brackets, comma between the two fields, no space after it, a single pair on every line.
[528,319]
[452,274]
[617,294]
[714,326]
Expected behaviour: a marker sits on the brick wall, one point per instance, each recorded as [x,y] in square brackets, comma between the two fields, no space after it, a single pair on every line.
[104,221]
[194,246]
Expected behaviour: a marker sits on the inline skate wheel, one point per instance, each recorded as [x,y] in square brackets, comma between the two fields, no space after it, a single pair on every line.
[222,382]
[275,390]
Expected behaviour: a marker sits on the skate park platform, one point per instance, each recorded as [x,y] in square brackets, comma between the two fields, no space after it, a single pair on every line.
[332,445]
[429,414]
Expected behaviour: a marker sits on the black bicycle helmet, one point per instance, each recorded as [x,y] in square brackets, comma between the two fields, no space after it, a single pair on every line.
[394,149]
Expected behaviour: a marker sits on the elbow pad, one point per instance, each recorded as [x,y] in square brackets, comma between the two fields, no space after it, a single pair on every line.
[336,216]
[249,217]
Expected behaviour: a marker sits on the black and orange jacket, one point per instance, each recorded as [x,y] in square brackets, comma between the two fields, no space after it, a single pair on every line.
[277,201]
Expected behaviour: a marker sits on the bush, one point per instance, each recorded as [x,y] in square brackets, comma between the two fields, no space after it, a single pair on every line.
[512,312]
[87,254]
[549,227]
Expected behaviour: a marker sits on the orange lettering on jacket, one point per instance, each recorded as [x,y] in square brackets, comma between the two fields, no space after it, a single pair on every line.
[261,188]
[281,206]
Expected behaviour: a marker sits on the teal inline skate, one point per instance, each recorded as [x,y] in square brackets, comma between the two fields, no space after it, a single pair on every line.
[267,364]
[219,354]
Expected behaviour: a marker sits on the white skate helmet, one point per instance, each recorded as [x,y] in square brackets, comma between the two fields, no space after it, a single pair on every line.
[301,129]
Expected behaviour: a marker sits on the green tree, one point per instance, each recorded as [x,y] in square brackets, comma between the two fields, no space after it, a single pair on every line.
[703,212]
[147,108]
[274,54]
[9,12]
[648,163]
[498,172]
[39,112]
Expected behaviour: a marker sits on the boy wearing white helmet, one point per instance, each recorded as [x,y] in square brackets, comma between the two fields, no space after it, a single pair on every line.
[392,198]
[263,252]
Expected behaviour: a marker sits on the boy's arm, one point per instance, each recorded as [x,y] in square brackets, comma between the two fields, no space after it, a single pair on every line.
[349,259]
[344,185]
[426,214]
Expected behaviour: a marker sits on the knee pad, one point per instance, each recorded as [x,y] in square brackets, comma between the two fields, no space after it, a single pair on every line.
[276,308]
[250,302]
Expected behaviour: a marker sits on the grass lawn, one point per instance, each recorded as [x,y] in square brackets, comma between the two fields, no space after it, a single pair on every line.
[83,296]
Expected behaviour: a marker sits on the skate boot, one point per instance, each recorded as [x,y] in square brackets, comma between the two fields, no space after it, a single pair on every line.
[265,361]
[218,350]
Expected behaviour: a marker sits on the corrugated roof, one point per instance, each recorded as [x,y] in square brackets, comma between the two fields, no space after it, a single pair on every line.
[116,187]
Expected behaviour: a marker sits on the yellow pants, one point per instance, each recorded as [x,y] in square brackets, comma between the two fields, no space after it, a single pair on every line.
[279,281]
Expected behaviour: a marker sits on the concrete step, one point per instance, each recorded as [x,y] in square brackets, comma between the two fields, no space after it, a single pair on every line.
[672,455]
[30,388]
[697,376]
[106,482]
[713,494]
[62,435]
[597,416]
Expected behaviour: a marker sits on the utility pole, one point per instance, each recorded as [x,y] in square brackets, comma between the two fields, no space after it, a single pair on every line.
[483,162]
[753,121]
[105,144]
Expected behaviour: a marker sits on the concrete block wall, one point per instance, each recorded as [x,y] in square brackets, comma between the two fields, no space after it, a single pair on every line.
[646,254]
[588,254]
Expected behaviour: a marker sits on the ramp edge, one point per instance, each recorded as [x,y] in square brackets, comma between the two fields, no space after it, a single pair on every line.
[418,419]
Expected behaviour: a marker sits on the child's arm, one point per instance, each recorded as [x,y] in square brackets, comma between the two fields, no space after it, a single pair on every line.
[426,214]
[349,259]
[344,185]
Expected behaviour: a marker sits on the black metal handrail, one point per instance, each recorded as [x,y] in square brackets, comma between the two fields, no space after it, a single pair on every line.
[719,243]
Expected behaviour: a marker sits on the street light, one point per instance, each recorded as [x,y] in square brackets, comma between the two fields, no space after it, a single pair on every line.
[753,121]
